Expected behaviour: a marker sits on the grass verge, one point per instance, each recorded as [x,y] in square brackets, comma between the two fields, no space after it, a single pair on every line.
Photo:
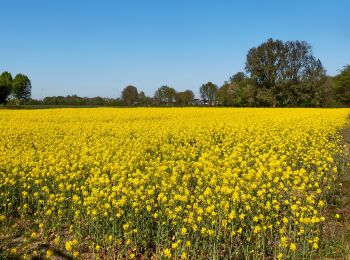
[336,233]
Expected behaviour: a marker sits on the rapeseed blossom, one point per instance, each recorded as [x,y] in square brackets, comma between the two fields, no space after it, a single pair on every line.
[185,183]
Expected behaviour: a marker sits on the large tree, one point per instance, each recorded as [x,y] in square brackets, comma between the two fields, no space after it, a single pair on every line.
[286,74]
[184,97]
[309,92]
[21,88]
[130,95]
[265,64]
[208,92]
[5,87]
[342,88]
[303,76]
[165,94]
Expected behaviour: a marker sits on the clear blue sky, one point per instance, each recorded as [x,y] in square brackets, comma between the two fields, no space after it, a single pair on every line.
[95,48]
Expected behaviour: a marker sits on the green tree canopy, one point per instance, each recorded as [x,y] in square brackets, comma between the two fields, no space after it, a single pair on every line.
[21,88]
[5,86]
[165,94]
[184,97]
[238,77]
[342,88]
[286,74]
[239,91]
[208,92]
[130,95]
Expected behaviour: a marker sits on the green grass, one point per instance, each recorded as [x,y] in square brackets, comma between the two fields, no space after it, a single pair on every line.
[335,243]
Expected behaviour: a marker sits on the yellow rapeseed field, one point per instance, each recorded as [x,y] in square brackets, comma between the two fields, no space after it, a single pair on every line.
[169,182]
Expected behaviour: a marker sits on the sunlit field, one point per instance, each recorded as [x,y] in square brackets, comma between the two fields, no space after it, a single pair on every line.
[168,182]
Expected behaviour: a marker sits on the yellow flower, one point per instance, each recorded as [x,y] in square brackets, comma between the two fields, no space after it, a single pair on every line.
[167,252]
[126,226]
[293,246]
[257,229]
[68,246]
[196,173]
[57,240]
[49,253]
[2,218]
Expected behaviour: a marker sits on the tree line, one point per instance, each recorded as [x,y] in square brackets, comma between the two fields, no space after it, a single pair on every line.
[277,74]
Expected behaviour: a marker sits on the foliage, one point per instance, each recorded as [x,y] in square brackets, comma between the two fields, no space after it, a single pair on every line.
[239,91]
[74,100]
[342,88]
[165,94]
[169,183]
[286,74]
[21,88]
[5,86]
[208,92]
[184,97]
[130,95]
